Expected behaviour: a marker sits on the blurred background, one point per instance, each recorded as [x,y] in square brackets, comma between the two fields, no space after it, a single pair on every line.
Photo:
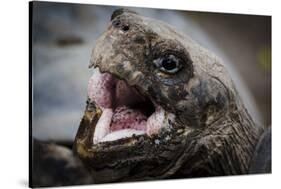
[64,35]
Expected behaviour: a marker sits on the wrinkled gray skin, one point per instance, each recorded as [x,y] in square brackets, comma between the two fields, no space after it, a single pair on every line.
[212,134]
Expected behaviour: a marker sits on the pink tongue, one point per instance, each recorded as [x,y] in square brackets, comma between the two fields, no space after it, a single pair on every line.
[126,118]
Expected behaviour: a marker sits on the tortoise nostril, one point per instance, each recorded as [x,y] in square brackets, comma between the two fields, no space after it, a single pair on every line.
[125,28]
[116,23]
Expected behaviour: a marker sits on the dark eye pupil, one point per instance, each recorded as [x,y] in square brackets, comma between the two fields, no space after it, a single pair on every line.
[169,64]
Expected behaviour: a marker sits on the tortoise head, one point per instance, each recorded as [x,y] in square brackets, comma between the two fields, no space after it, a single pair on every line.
[154,95]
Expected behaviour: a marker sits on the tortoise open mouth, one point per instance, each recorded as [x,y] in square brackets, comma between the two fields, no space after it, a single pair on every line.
[125,111]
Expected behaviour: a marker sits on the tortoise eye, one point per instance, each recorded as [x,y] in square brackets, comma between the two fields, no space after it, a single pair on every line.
[168,64]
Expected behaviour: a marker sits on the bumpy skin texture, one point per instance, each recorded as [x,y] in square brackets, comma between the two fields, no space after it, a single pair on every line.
[212,134]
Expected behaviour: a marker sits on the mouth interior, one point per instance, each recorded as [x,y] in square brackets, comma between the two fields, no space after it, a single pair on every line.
[126,112]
